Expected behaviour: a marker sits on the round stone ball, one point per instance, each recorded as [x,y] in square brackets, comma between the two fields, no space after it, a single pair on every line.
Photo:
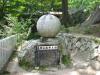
[48,25]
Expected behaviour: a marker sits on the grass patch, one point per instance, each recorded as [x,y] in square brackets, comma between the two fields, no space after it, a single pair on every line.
[96,40]
[66,60]
[25,64]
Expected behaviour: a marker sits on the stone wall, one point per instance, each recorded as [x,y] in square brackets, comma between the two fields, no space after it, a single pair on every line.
[82,49]
[7,46]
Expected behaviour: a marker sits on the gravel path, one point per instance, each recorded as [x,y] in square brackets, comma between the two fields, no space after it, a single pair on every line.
[58,72]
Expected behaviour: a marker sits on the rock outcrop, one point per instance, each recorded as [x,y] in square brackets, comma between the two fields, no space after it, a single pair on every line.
[83,50]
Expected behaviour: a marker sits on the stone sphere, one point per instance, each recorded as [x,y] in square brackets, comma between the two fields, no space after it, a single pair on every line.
[48,25]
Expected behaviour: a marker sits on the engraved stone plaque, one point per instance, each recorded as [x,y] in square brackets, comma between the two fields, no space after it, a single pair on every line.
[47,55]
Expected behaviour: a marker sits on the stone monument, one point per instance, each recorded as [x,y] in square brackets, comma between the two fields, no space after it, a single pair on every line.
[47,51]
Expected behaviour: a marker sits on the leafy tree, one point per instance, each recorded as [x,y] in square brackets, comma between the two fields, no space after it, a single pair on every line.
[87,5]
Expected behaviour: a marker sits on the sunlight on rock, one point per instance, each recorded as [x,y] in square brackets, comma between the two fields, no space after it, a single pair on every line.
[13,66]
[97,72]
[26,74]
[97,65]
[87,71]
[90,71]
[74,73]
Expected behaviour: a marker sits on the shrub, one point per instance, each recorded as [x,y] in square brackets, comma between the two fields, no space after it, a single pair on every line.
[16,27]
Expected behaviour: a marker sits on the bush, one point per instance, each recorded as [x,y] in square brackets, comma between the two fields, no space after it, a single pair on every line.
[66,60]
[16,27]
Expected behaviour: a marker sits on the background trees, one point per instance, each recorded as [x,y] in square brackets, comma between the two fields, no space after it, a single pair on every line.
[30,6]
[74,11]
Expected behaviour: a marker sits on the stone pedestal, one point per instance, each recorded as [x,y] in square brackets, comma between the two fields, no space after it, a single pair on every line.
[41,53]
[47,53]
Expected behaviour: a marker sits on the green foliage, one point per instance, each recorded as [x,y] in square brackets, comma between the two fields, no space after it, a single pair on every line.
[96,40]
[29,6]
[66,60]
[87,5]
[23,7]
[25,64]
[17,7]
[17,27]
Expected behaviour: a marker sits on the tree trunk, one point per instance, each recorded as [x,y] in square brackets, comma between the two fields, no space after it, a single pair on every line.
[65,15]
[94,18]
